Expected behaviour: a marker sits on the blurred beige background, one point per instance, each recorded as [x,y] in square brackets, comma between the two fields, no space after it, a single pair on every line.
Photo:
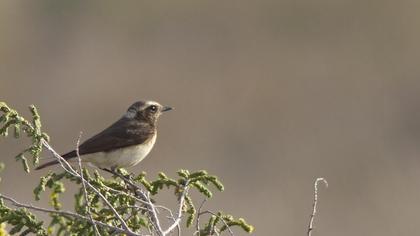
[273,92]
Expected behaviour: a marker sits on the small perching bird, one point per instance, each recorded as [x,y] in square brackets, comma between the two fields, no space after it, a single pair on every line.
[123,144]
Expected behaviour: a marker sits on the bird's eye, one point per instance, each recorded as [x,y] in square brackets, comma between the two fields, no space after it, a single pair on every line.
[153,108]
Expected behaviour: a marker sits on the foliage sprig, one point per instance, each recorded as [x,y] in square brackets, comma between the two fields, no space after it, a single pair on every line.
[10,119]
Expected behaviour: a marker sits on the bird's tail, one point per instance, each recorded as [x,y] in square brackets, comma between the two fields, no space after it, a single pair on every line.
[50,163]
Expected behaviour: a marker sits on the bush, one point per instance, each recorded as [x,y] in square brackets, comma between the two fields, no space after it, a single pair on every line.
[123,204]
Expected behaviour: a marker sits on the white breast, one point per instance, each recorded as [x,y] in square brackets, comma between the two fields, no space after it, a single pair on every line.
[123,157]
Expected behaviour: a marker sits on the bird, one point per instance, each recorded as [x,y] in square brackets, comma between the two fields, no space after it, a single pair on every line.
[124,143]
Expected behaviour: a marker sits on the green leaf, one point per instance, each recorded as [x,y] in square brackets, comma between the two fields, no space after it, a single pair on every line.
[183,173]
[191,210]
[41,186]
[199,173]
[203,189]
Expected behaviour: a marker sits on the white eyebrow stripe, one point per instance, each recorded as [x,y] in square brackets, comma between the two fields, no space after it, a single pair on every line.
[148,103]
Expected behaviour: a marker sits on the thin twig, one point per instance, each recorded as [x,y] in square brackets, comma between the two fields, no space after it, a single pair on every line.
[181,205]
[314,205]
[197,221]
[172,217]
[84,186]
[155,218]
[68,213]
[223,221]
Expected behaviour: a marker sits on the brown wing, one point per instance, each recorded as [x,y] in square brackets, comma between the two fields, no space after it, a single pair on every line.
[125,132]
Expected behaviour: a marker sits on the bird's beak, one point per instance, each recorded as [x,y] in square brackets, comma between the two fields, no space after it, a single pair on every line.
[166,108]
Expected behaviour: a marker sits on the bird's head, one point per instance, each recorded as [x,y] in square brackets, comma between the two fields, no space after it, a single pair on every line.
[148,111]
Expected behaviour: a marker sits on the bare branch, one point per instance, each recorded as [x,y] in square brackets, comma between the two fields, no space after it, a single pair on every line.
[314,205]
[181,205]
[155,218]
[84,186]
[172,217]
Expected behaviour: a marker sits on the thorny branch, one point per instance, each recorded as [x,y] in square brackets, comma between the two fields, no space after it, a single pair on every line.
[314,205]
